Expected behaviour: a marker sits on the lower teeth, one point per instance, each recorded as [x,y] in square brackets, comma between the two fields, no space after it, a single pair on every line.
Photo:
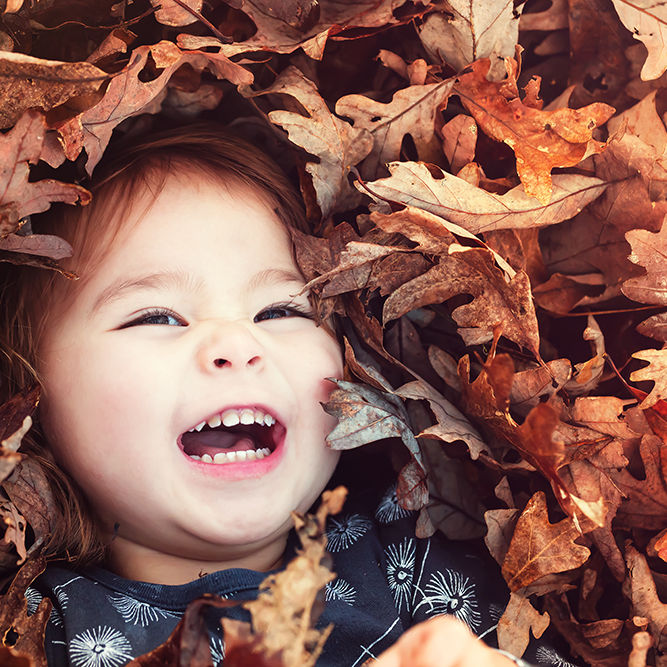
[230,457]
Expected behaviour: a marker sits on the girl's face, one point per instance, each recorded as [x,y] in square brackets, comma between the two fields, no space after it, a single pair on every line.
[192,317]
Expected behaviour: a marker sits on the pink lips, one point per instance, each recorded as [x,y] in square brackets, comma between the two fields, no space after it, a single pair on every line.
[236,470]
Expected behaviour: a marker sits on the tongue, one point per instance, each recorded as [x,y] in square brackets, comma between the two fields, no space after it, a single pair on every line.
[211,442]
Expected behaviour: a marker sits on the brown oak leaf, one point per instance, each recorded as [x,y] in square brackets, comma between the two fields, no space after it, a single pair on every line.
[541,140]
[285,31]
[289,602]
[44,245]
[127,95]
[650,251]
[34,83]
[654,327]
[451,424]
[411,111]
[475,209]
[470,30]
[539,548]
[496,301]
[335,143]
[645,503]
[647,21]
[366,415]
[28,630]
[19,148]
[173,13]
[641,589]
[516,624]
[655,372]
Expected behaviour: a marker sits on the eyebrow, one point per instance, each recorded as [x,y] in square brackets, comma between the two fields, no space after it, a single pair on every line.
[181,279]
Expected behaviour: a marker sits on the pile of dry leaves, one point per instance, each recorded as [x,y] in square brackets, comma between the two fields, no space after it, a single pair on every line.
[486,182]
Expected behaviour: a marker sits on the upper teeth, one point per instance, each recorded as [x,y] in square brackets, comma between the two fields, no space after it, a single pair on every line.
[232,417]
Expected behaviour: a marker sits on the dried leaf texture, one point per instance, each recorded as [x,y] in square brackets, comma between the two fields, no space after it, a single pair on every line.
[486,187]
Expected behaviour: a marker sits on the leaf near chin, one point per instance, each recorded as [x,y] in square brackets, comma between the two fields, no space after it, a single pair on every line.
[283,632]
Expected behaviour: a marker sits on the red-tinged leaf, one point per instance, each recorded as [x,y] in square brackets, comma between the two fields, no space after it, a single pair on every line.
[335,143]
[539,548]
[411,111]
[516,624]
[560,293]
[127,95]
[28,631]
[412,489]
[479,211]
[367,415]
[541,140]
[33,83]
[19,148]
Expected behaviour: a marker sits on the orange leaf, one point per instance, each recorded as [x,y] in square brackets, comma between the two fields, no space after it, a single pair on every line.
[539,547]
[541,140]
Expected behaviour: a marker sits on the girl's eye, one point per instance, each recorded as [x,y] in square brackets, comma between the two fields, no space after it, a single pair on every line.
[282,310]
[159,316]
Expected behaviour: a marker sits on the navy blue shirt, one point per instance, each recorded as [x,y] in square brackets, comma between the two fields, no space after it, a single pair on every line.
[387,580]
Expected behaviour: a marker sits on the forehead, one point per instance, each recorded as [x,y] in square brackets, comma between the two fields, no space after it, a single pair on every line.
[165,212]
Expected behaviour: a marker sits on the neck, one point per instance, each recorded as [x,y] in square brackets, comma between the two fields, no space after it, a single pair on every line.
[140,563]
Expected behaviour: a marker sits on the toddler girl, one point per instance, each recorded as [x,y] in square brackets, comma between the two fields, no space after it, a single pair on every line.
[183,376]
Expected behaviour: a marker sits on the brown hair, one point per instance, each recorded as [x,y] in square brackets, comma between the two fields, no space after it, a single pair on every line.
[31,296]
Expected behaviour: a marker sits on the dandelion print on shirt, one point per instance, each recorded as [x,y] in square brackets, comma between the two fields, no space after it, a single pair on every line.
[217,647]
[343,533]
[450,592]
[340,590]
[389,510]
[135,612]
[101,647]
[32,597]
[548,656]
[400,571]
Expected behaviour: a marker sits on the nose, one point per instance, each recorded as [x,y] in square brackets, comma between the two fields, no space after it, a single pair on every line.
[229,345]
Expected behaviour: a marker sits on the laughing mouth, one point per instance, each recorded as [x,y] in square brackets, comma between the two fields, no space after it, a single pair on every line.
[235,434]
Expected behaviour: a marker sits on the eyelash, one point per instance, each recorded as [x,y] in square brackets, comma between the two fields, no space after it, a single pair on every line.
[293,309]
